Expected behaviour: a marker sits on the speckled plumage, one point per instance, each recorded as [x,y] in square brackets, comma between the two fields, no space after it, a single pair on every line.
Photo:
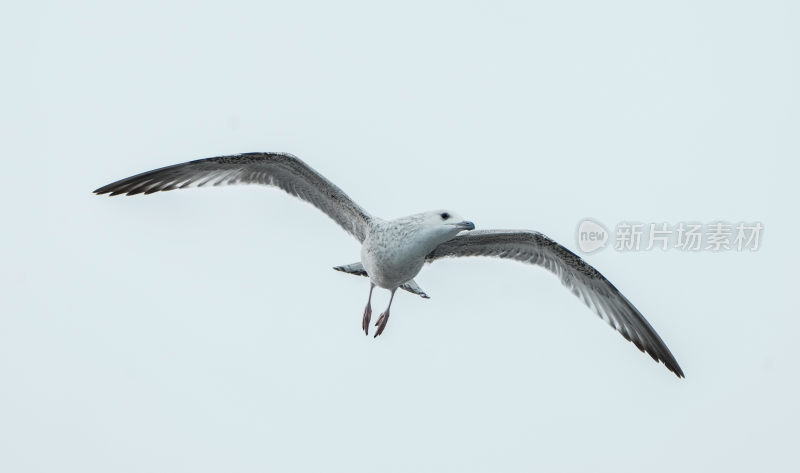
[394,251]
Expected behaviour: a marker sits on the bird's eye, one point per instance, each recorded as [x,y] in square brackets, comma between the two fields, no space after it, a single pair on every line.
[445,215]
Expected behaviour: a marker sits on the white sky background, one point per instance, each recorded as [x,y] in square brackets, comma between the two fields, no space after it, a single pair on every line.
[205,330]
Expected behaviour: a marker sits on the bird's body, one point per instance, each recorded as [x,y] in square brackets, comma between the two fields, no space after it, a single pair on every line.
[394,251]
[390,265]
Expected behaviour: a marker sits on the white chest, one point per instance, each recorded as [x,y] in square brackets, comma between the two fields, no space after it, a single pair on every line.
[393,256]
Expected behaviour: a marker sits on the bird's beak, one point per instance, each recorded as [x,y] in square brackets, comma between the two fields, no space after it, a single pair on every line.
[465,225]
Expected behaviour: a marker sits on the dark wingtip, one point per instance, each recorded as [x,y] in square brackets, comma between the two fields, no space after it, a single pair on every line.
[107,189]
[672,365]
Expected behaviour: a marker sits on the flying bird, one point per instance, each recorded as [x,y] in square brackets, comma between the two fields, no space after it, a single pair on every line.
[394,251]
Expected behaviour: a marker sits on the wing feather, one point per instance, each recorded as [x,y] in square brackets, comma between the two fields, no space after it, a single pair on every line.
[582,279]
[271,169]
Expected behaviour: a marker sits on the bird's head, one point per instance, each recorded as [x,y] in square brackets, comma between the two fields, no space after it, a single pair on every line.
[443,225]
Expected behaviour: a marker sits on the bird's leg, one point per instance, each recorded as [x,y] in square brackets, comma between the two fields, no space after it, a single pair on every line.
[384,318]
[367,311]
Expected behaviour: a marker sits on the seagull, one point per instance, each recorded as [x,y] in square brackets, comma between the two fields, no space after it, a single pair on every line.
[394,251]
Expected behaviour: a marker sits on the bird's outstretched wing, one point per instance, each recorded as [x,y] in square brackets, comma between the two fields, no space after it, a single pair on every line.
[582,279]
[272,169]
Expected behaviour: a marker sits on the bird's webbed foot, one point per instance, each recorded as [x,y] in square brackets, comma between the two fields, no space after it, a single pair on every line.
[367,312]
[366,319]
[381,323]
